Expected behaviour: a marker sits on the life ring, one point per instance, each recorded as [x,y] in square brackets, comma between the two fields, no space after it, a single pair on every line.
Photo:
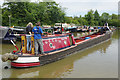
[50,31]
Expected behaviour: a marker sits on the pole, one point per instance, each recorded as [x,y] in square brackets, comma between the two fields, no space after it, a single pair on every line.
[14,46]
[9,20]
[61,28]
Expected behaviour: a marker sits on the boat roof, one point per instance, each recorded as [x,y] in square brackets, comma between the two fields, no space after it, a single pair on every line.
[55,35]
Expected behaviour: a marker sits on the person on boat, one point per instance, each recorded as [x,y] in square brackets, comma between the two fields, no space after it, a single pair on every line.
[28,36]
[55,31]
[106,27]
[37,31]
[68,31]
[101,30]
[62,29]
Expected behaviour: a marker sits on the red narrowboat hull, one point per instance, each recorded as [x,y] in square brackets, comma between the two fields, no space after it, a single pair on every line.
[24,65]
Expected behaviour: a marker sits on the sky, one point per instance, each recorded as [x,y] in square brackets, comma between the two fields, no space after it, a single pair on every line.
[81,7]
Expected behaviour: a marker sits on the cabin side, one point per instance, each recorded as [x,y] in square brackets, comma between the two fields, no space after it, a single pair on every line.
[51,43]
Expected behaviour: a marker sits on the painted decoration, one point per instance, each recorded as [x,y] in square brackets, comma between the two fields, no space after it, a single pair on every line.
[55,43]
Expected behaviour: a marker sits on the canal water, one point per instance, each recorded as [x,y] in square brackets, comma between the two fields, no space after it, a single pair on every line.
[99,61]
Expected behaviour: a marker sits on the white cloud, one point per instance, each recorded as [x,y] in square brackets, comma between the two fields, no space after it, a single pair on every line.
[81,8]
[86,0]
[1,2]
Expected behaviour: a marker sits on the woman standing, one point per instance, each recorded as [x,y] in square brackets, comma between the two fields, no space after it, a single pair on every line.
[28,36]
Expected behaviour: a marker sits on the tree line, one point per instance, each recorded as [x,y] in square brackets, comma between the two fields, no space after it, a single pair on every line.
[93,18]
[49,13]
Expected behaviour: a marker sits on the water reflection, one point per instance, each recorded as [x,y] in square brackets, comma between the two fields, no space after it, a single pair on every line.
[8,47]
[106,45]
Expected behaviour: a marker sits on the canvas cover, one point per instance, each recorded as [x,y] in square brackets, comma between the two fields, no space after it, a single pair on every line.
[3,32]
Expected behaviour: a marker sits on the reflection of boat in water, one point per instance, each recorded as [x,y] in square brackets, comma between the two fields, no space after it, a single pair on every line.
[48,71]
[56,47]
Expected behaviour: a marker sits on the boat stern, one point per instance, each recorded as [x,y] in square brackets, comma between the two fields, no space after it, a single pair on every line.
[25,62]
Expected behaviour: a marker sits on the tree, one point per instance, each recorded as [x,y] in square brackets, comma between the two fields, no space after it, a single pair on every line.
[84,21]
[105,16]
[55,13]
[96,17]
[68,19]
[114,16]
[80,20]
[75,20]
[0,16]
[24,12]
[50,13]
[113,22]
[18,11]
[90,17]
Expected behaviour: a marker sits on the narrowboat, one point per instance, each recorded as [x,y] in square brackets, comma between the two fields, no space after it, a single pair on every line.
[56,47]
[72,29]
[6,34]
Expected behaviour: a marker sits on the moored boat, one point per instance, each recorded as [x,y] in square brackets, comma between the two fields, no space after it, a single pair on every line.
[56,47]
[6,34]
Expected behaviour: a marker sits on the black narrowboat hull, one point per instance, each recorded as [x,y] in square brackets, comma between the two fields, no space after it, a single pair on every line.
[57,55]
[60,55]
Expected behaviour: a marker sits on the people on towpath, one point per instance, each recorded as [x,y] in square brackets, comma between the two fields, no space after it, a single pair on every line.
[37,31]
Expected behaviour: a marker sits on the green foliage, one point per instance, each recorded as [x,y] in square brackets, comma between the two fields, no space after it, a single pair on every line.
[24,12]
[90,17]
[49,12]
[114,16]
[113,22]
[94,19]
[0,16]
[105,16]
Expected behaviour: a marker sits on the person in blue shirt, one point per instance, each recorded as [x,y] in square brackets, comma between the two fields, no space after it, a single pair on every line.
[37,31]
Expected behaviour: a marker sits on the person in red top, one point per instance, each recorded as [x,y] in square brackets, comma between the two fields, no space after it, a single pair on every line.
[62,29]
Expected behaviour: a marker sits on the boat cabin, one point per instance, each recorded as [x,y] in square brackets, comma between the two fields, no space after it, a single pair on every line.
[51,43]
